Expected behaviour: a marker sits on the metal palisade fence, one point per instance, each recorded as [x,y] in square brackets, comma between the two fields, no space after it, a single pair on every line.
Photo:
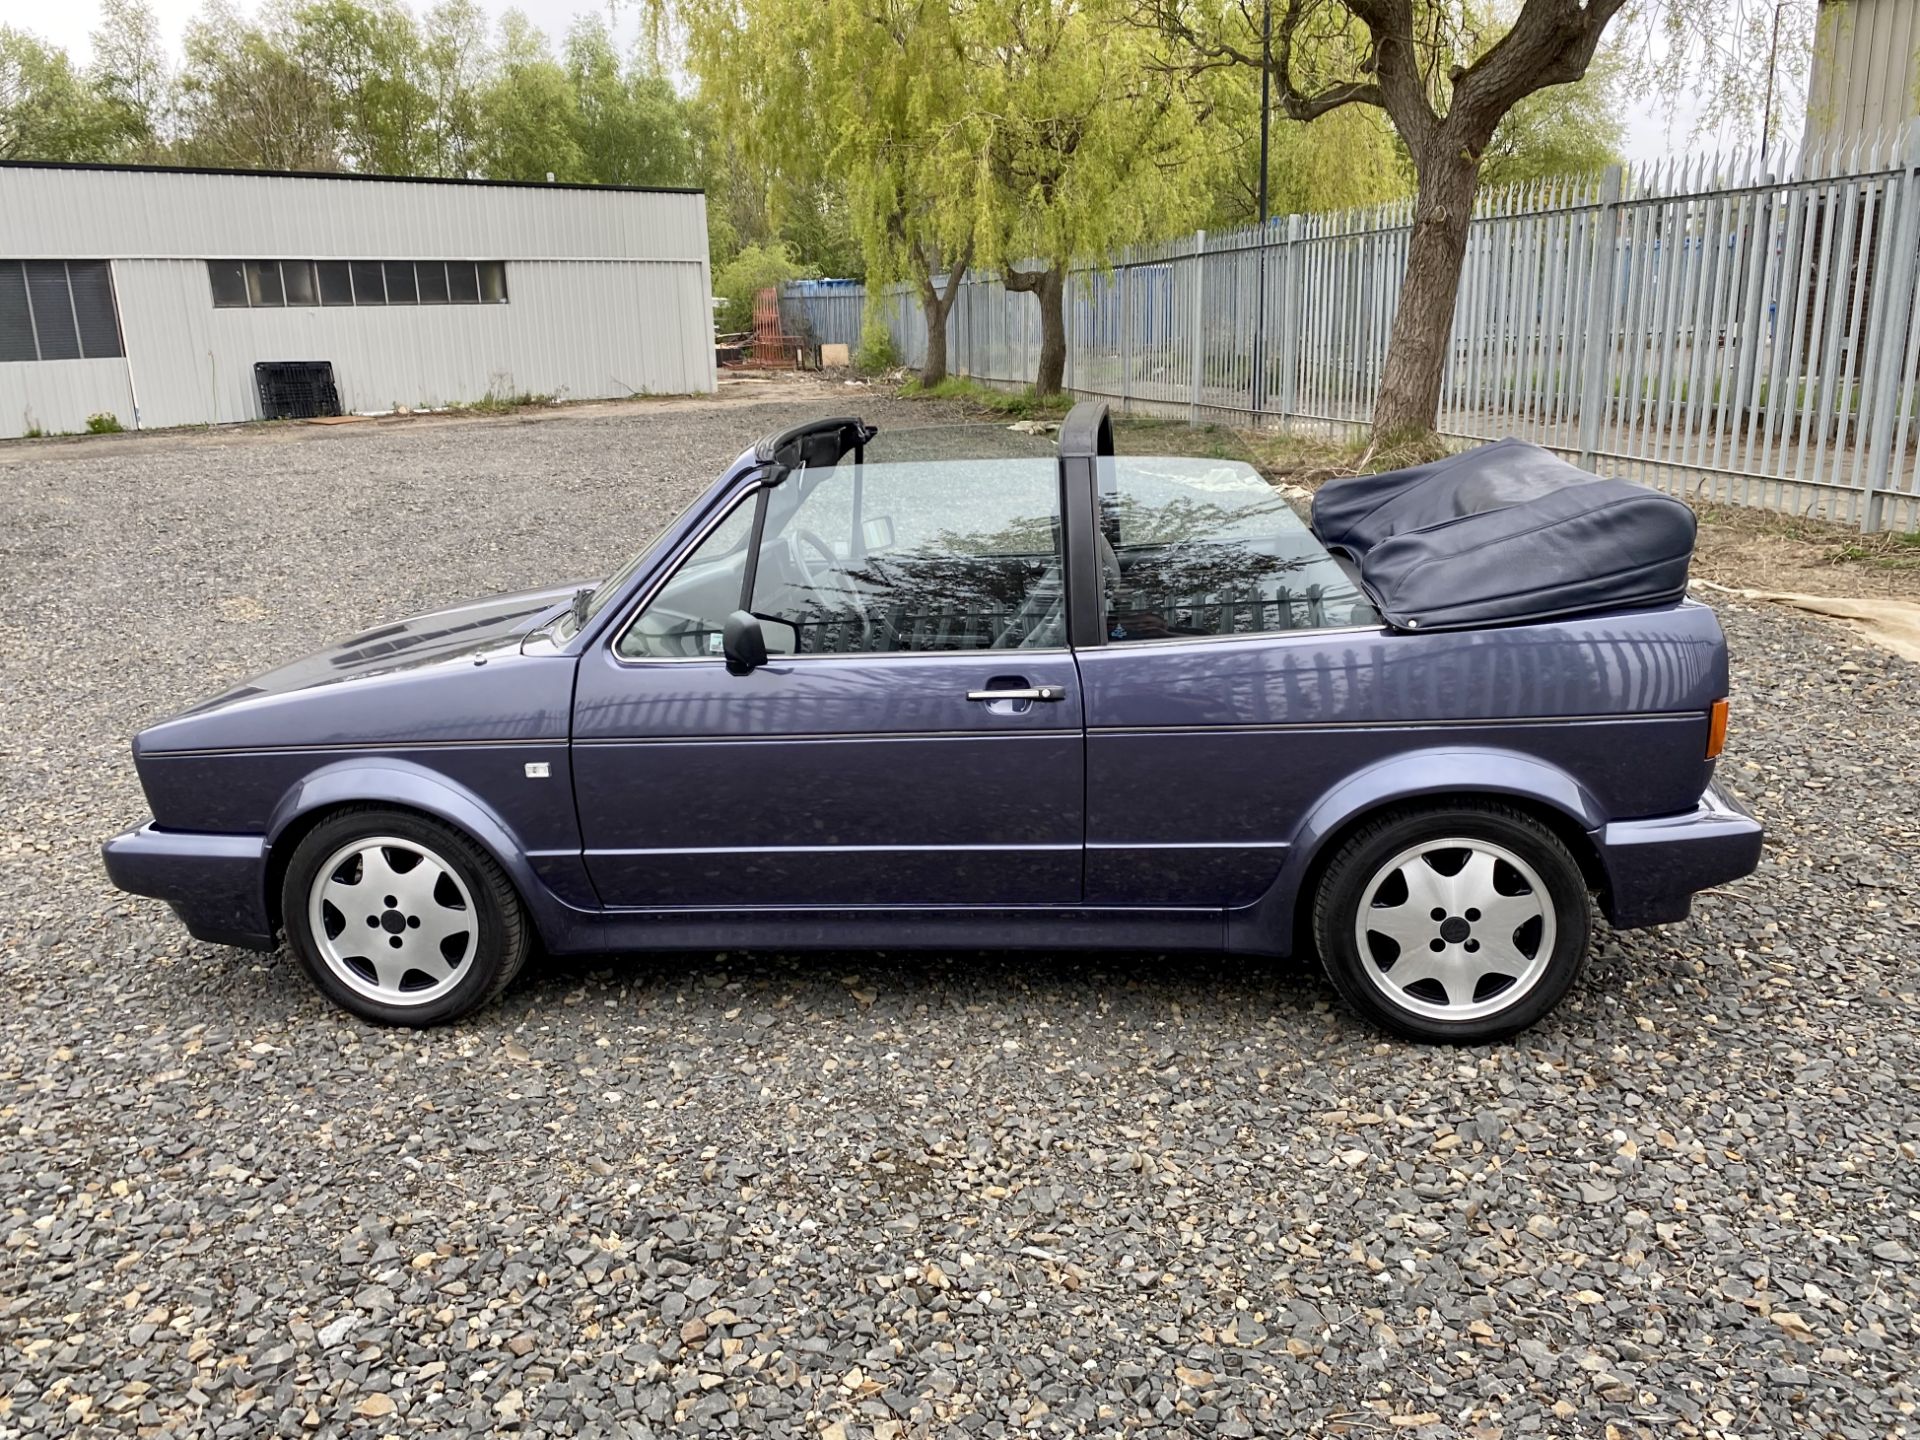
[1707,325]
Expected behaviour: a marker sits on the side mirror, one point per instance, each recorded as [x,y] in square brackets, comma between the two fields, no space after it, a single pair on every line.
[747,637]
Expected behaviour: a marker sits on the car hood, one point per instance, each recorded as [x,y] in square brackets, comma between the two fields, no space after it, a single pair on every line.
[317,699]
[470,629]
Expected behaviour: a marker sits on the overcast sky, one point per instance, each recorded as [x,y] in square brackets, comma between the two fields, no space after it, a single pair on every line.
[1650,136]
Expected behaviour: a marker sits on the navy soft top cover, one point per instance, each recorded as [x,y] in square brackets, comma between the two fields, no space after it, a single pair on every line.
[1504,533]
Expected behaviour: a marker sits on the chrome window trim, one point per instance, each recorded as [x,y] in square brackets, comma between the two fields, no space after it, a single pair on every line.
[774,661]
[1120,647]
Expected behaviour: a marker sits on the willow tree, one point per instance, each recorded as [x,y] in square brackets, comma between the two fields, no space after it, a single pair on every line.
[863,93]
[1080,142]
[1446,81]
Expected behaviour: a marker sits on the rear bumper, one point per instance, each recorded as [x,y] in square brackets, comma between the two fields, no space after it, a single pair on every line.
[216,884]
[1655,867]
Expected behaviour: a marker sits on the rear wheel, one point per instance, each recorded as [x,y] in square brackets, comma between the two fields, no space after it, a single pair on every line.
[1465,924]
[400,919]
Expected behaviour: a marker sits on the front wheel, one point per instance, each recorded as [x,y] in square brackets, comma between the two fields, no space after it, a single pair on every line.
[1465,924]
[400,919]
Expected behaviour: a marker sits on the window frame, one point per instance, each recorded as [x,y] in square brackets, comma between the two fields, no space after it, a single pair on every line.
[33,305]
[316,270]
[761,487]
[1095,601]
[754,493]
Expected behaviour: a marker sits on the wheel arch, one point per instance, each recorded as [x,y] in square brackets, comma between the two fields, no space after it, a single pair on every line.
[1424,780]
[390,785]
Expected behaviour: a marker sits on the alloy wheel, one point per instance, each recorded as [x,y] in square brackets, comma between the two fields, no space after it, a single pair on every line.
[1455,929]
[393,920]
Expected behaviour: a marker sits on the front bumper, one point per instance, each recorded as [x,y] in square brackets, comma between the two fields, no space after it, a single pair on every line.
[216,884]
[1655,867]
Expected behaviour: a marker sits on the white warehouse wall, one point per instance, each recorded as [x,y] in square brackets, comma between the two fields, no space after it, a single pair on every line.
[60,396]
[607,291]
[574,329]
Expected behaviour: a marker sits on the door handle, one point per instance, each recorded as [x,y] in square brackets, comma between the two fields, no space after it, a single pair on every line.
[1030,692]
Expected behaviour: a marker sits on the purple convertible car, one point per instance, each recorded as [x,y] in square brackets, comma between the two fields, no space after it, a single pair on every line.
[1068,699]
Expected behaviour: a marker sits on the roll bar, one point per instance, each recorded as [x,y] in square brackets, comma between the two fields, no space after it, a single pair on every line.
[1086,438]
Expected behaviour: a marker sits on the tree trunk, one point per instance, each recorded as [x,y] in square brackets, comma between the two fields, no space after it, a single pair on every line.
[1049,287]
[936,304]
[1409,399]
[934,370]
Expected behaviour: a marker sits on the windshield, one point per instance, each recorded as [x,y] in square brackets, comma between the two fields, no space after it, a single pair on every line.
[1023,439]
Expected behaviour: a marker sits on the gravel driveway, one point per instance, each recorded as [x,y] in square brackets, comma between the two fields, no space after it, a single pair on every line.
[888,1195]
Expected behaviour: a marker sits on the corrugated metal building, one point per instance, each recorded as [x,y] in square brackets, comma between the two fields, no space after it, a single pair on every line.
[150,293]
[1865,81]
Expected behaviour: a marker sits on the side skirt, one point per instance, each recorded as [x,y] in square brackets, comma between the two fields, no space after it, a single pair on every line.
[956,928]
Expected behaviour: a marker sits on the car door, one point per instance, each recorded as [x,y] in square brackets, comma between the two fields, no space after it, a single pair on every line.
[1217,661]
[922,746]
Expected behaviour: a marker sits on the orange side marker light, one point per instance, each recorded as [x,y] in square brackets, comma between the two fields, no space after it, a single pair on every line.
[1716,729]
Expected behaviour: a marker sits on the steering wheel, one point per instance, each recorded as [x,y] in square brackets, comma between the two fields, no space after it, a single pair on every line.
[829,575]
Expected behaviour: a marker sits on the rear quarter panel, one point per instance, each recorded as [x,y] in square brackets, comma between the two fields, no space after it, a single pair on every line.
[1212,763]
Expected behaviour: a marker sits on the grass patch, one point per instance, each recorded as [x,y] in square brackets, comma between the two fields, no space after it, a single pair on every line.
[104,423]
[1009,404]
[1886,551]
[1828,542]
[492,403]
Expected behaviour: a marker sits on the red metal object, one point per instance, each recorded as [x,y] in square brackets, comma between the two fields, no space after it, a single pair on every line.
[773,348]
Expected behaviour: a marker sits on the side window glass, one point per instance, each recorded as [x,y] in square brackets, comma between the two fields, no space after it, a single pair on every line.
[686,619]
[1207,547]
[939,556]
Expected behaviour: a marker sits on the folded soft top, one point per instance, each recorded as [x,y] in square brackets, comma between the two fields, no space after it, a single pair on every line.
[1504,533]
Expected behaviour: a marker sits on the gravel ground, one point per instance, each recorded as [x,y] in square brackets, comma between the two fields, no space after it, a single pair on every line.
[889,1196]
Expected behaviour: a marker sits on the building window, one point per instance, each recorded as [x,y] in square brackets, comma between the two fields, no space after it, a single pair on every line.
[369,284]
[271,284]
[58,310]
[336,283]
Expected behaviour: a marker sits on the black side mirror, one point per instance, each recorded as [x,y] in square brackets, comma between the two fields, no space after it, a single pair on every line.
[743,643]
[744,640]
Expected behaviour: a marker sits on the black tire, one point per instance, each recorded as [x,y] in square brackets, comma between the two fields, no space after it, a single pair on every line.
[1368,855]
[491,954]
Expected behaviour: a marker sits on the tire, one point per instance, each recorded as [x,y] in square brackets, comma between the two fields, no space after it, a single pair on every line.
[416,948]
[1480,951]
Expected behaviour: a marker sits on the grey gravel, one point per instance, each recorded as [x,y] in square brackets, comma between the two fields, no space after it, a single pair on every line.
[892,1196]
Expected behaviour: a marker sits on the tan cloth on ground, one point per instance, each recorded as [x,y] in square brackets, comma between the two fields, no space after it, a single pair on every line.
[1892,624]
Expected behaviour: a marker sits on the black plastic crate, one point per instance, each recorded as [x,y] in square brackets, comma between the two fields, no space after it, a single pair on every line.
[296,389]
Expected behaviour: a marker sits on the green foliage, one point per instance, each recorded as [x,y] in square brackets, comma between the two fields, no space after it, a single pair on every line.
[131,73]
[630,126]
[501,402]
[1563,130]
[749,272]
[369,58]
[246,100]
[364,85]
[50,111]
[877,352]
[1021,404]
[805,104]
[104,423]
[528,111]
[1082,140]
